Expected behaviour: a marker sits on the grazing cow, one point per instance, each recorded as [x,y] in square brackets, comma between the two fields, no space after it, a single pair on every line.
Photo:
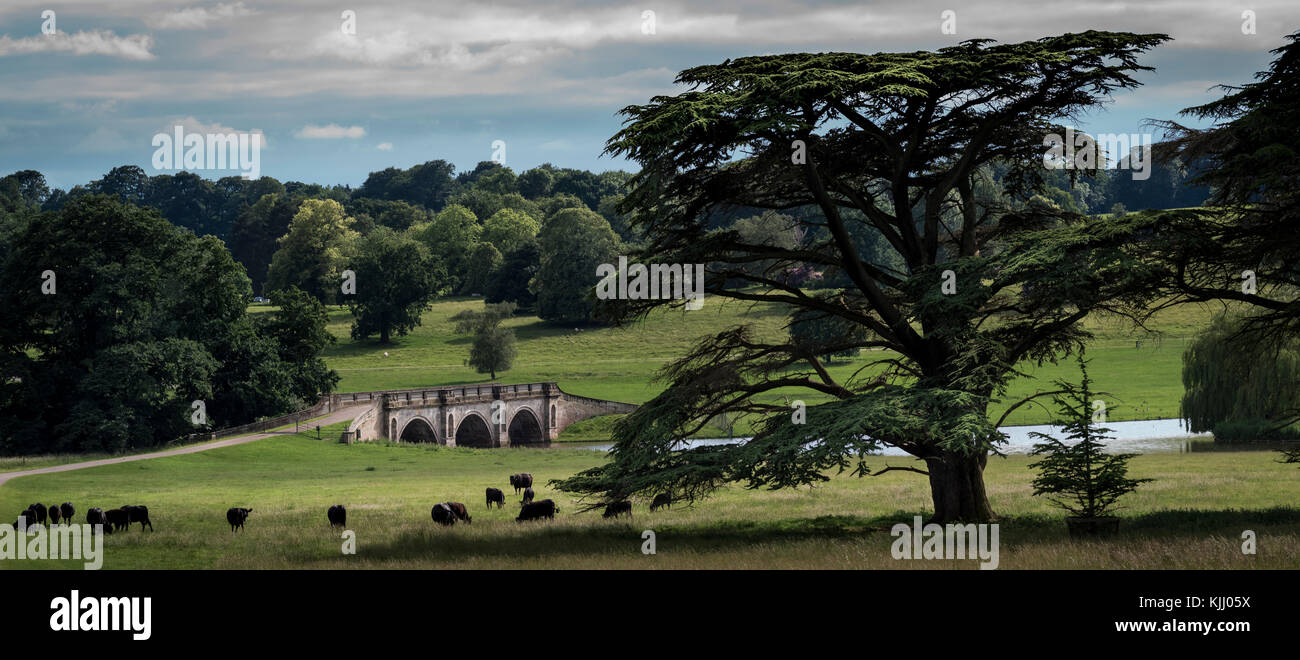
[236,517]
[662,500]
[528,496]
[521,481]
[461,512]
[617,509]
[97,517]
[338,516]
[25,519]
[443,515]
[495,495]
[139,513]
[67,510]
[118,520]
[535,510]
[39,510]
[54,515]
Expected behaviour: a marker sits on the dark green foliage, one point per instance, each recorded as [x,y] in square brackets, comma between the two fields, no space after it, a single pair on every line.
[897,147]
[398,216]
[428,185]
[536,183]
[396,280]
[1076,474]
[256,231]
[1252,164]
[574,243]
[23,189]
[143,320]
[493,348]
[510,281]
[450,237]
[1235,384]
[480,268]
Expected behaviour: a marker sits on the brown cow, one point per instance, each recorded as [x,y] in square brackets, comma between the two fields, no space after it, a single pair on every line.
[461,512]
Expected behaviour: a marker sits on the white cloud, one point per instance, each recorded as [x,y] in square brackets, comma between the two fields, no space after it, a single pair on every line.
[96,42]
[385,146]
[330,132]
[197,18]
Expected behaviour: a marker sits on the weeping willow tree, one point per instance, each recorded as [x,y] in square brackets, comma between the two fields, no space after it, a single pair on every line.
[1235,383]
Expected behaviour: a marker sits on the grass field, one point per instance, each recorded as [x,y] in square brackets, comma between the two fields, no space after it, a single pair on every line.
[620,363]
[1192,516]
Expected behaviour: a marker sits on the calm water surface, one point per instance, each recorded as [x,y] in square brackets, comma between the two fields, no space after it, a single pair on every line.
[1137,437]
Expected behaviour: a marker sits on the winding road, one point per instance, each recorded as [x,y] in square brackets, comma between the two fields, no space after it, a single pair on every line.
[342,415]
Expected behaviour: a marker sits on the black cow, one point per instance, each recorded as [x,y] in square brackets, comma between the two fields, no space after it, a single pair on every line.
[236,517]
[67,510]
[443,515]
[97,517]
[118,520]
[521,481]
[528,496]
[461,512]
[535,510]
[617,509]
[39,510]
[138,513]
[495,495]
[54,515]
[338,516]
[26,519]
[662,500]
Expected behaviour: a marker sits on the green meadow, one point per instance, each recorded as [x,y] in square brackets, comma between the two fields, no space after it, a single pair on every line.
[1192,516]
[1143,380]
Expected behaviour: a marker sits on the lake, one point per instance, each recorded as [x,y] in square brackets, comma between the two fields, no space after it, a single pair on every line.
[1137,437]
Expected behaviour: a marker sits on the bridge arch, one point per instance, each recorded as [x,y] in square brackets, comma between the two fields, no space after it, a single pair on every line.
[525,428]
[419,430]
[473,431]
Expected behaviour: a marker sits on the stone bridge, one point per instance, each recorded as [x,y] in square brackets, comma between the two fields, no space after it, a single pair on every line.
[489,415]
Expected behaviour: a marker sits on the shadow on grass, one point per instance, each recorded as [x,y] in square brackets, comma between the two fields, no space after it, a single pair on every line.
[539,539]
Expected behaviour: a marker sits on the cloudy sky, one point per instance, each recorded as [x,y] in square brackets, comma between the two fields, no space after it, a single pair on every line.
[426,79]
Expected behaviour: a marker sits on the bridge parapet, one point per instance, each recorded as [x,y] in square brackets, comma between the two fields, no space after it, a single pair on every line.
[530,412]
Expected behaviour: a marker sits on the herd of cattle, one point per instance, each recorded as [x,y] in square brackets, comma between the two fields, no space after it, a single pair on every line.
[444,513]
[113,520]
